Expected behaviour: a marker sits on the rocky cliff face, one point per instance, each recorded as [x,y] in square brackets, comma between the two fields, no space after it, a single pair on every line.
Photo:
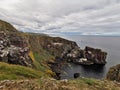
[96,56]
[14,49]
[114,73]
[69,51]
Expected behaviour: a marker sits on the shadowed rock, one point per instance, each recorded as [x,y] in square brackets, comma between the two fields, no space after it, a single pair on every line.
[76,75]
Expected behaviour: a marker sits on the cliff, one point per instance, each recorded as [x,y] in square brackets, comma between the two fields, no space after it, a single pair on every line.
[52,47]
[114,73]
[28,56]
[41,52]
[14,49]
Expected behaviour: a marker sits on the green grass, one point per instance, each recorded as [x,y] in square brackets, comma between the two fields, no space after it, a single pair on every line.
[85,81]
[41,58]
[41,55]
[8,71]
[89,81]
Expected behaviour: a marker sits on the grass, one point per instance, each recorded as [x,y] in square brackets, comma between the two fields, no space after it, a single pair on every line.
[77,84]
[41,56]
[89,81]
[52,84]
[8,71]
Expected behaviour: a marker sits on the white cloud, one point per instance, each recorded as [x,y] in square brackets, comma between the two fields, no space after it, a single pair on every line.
[61,16]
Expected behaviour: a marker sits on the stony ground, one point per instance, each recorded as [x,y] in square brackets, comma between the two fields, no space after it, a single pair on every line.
[52,84]
[18,85]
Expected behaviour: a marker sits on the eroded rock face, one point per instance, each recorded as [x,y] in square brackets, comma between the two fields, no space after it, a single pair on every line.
[88,56]
[114,73]
[97,56]
[69,51]
[14,49]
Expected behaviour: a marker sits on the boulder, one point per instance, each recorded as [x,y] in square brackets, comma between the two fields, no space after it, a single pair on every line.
[76,75]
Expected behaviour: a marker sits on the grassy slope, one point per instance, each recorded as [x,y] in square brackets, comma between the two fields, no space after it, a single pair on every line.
[8,71]
[5,26]
[41,56]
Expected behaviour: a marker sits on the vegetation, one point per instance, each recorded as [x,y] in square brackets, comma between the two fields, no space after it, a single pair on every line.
[52,84]
[31,56]
[8,71]
[5,26]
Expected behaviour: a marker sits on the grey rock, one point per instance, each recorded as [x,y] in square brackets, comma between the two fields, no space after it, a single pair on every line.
[14,50]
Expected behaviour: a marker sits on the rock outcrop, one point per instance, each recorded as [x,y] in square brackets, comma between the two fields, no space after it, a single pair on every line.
[90,56]
[14,49]
[114,73]
[69,51]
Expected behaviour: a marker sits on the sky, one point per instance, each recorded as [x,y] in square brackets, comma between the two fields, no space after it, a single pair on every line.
[73,17]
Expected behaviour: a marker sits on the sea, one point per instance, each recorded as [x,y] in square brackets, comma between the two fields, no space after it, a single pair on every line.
[109,44]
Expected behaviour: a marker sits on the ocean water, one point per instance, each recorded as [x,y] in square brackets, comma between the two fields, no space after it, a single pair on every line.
[110,44]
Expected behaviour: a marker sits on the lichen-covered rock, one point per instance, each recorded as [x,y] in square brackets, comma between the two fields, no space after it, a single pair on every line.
[14,50]
[114,73]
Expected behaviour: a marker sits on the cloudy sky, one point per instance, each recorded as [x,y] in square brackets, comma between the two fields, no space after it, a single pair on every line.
[86,17]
